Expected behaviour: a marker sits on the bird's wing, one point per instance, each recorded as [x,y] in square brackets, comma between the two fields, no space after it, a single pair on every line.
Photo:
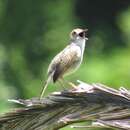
[64,61]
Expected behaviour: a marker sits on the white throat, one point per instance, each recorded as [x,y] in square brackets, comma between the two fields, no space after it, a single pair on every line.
[81,44]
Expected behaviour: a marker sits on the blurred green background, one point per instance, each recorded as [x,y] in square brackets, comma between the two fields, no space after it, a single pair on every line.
[33,32]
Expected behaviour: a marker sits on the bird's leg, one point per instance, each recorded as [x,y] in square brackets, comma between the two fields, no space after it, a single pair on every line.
[68,83]
[72,85]
[60,81]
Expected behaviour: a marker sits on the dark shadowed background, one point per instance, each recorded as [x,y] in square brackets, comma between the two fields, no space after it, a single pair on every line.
[33,32]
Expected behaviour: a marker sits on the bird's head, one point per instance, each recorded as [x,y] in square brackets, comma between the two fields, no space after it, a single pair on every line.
[78,34]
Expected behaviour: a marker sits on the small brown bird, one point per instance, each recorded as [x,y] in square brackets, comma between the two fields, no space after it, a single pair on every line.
[68,60]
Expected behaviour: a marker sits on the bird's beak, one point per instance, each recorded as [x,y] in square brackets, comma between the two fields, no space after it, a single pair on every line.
[85,30]
[86,38]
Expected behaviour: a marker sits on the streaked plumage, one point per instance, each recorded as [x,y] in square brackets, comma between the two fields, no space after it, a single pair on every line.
[64,62]
[69,59]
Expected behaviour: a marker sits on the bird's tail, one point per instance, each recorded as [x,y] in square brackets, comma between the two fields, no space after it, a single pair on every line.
[45,86]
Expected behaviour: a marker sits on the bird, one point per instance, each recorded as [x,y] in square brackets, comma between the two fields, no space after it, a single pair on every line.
[68,60]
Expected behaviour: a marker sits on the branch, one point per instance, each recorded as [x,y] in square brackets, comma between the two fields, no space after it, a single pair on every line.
[102,105]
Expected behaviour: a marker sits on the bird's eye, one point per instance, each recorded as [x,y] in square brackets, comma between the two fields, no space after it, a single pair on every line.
[81,34]
[74,33]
